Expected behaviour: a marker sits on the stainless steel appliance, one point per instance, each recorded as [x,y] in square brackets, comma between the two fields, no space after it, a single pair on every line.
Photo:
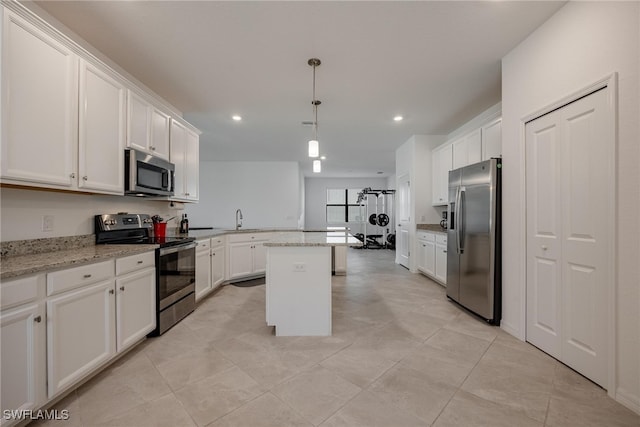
[473,239]
[175,264]
[146,175]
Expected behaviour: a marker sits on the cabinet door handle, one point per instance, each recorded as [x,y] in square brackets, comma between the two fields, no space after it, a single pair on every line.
[153,148]
[73,175]
[85,178]
[140,262]
[122,288]
[37,319]
[111,291]
[86,276]
[444,252]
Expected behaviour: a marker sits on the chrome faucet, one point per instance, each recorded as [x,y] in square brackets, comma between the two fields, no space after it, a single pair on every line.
[238,219]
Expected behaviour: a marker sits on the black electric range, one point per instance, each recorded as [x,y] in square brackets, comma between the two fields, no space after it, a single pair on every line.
[175,263]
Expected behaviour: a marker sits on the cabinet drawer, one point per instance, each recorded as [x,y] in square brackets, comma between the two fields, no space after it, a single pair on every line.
[441,238]
[71,278]
[248,237]
[135,262]
[217,241]
[203,245]
[20,291]
[425,235]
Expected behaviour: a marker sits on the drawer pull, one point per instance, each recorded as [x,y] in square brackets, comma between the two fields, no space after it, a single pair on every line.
[37,319]
[122,288]
[86,276]
[140,262]
[111,291]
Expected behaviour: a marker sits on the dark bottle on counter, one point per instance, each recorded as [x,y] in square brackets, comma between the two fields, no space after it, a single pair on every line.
[184,224]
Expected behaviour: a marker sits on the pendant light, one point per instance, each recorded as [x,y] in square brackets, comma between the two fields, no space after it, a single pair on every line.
[317,166]
[314,146]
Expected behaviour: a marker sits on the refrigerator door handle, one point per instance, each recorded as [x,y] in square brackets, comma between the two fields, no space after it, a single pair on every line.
[457,219]
[461,225]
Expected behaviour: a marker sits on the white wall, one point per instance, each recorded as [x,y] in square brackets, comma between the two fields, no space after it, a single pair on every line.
[21,212]
[581,44]
[267,193]
[316,199]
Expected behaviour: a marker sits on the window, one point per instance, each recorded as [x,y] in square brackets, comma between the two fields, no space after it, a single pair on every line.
[342,206]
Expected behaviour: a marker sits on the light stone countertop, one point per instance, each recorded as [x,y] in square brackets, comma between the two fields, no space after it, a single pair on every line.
[66,255]
[432,228]
[204,234]
[20,265]
[320,238]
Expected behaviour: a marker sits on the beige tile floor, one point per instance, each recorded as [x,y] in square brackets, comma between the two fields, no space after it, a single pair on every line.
[400,355]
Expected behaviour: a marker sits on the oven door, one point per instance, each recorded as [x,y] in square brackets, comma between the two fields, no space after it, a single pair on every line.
[176,273]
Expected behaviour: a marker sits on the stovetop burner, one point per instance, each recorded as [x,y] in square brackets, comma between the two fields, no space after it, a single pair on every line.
[131,229]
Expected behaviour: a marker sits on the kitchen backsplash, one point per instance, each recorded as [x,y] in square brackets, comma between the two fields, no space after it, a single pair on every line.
[67,214]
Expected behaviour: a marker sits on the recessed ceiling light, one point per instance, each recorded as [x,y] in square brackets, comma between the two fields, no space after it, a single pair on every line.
[236,118]
[398,118]
[323,157]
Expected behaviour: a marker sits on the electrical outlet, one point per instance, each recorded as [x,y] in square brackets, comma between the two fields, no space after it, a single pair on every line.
[47,222]
[299,267]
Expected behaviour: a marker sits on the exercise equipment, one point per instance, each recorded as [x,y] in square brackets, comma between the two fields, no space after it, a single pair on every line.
[382,203]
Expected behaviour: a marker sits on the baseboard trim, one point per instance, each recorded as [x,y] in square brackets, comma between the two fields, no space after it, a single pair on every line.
[628,400]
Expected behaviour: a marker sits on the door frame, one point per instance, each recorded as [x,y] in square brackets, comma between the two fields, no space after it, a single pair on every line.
[610,82]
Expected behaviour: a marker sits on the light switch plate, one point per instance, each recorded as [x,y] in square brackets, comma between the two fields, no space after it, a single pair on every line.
[299,267]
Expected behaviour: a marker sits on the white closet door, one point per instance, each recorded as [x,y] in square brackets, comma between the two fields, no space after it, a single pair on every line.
[543,141]
[587,200]
[570,183]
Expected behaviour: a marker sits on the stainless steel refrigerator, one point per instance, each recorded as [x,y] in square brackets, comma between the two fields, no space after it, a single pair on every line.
[473,239]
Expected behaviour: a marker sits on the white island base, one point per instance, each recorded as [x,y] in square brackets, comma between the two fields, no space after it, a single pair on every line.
[298,290]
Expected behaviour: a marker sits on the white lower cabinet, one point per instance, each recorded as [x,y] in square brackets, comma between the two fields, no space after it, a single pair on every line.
[23,342]
[426,262]
[81,333]
[91,317]
[217,265]
[135,307]
[210,265]
[203,268]
[441,258]
[247,255]
[432,255]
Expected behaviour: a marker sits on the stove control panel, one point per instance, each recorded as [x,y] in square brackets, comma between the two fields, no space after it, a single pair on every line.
[110,222]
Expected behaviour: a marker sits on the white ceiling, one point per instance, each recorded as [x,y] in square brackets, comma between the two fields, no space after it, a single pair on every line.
[435,63]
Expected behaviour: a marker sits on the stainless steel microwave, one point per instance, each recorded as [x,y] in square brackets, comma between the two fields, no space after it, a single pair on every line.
[146,175]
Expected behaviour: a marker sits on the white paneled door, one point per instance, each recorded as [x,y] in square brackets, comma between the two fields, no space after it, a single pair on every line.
[404,221]
[570,186]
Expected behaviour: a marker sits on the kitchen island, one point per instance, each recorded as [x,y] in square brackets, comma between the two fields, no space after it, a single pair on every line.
[298,285]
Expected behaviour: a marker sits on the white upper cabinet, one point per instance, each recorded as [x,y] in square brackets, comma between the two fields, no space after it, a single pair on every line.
[192,165]
[185,153]
[67,116]
[480,144]
[467,150]
[442,158]
[159,142]
[139,122]
[101,131]
[148,127]
[492,139]
[39,106]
